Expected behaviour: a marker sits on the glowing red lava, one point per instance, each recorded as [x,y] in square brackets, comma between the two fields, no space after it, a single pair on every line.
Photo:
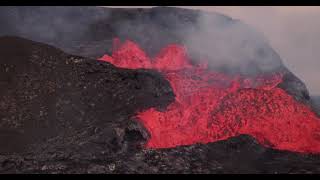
[211,106]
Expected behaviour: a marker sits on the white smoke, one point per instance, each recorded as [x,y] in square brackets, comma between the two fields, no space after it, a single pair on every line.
[230,43]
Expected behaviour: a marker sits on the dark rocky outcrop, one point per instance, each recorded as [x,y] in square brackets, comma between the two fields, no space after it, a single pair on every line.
[45,93]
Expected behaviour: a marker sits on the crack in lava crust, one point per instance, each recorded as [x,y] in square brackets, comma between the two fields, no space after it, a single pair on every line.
[211,106]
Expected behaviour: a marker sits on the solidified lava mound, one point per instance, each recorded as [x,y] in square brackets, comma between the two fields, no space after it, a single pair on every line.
[46,93]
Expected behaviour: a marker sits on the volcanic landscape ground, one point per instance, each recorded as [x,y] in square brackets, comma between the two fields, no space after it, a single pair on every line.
[139,105]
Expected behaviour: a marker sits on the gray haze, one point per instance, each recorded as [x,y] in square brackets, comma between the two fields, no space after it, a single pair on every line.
[60,24]
[232,44]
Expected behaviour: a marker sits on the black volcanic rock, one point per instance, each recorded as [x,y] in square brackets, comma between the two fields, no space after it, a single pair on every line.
[45,93]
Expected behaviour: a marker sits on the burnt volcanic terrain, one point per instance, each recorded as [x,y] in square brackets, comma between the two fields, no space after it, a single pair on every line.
[63,111]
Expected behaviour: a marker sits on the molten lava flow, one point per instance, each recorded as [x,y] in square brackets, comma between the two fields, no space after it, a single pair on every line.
[211,106]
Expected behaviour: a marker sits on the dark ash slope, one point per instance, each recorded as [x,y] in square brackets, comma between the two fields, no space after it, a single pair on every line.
[45,92]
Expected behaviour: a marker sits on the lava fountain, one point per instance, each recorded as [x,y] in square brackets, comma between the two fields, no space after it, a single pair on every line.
[211,106]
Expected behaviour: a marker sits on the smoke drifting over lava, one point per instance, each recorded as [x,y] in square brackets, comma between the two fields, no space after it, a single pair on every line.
[228,45]
[291,30]
[232,45]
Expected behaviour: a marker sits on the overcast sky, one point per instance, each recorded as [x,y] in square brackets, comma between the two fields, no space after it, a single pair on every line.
[293,31]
